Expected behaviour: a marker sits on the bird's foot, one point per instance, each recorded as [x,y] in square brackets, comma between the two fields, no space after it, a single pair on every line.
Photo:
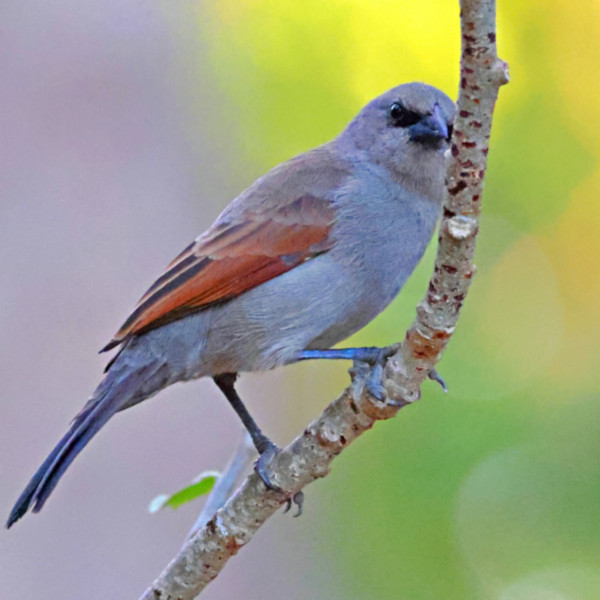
[261,466]
[376,359]
[374,383]
[262,469]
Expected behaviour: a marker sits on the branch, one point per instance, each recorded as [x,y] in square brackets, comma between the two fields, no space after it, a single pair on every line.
[309,456]
[481,75]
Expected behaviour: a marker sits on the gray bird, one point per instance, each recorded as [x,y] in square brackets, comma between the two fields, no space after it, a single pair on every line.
[303,258]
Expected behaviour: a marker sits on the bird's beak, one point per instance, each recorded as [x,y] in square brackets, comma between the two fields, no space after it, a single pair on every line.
[431,128]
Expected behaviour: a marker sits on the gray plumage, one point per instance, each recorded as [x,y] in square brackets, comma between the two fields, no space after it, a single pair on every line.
[383,182]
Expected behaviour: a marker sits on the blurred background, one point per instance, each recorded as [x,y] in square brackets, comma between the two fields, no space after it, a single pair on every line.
[126,127]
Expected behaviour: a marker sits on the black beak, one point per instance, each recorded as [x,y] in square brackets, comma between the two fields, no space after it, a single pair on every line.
[431,128]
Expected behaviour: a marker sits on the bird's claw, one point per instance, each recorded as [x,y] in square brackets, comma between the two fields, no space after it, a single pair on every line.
[374,383]
[435,376]
[298,500]
[261,467]
[376,358]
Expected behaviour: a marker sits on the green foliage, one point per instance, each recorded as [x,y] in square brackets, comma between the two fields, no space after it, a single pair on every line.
[202,485]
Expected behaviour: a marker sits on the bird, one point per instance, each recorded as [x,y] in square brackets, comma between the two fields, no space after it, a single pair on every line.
[304,257]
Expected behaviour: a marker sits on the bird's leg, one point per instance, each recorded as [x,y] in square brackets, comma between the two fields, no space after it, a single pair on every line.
[267,450]
[370,354]
[226,383]
[373,355]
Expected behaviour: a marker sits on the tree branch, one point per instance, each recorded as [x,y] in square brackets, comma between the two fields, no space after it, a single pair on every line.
[309,456]
[481,75]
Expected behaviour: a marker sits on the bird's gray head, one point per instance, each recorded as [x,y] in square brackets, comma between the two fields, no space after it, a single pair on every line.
[405,130]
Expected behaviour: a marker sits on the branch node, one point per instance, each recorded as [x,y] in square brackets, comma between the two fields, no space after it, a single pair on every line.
[461,227]
[501,72]
[399,392]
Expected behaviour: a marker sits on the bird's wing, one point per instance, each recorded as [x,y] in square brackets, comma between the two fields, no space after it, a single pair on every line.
[244,248]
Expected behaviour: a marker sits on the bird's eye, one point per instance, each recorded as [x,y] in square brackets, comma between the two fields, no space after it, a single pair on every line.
[402,117]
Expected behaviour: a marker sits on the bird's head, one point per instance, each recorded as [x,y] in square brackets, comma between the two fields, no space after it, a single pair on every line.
[405,130]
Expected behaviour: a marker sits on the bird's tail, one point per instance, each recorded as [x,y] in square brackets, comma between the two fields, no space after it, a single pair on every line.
[113,394]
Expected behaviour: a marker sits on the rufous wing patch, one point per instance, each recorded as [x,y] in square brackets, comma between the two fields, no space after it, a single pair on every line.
[232,258]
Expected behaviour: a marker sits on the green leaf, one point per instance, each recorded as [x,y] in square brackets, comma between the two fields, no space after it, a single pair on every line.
[200,486]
